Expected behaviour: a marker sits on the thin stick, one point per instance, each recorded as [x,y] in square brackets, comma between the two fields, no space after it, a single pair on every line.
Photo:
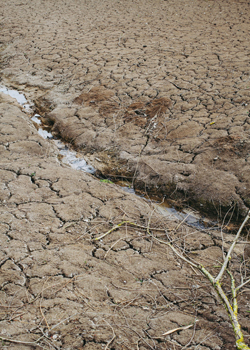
[40,306]
[111,230]
[129,223]
[232,310]
[106,347]
[20,342]
[71,280]
[228,257]
[179,329]
[243,284]
[176,252]
[182,222]
[114,335]
[112,246]
[65,319]
[13,317]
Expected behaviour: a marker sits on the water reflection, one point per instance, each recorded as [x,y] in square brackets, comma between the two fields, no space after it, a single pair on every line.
[21,99]
[71,158]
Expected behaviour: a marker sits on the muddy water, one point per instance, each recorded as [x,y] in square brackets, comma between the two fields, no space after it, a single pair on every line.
[77,162]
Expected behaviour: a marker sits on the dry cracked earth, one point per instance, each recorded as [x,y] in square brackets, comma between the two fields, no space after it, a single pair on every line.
[152,92]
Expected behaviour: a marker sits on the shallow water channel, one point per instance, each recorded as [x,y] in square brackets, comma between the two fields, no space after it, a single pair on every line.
[77,162]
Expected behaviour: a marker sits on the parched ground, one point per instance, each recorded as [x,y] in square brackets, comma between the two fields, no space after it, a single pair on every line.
[159,89]
[156,92]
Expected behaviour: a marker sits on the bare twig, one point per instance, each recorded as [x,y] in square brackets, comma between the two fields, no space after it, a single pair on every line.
[228,257]
[40,307]
[20,342]
[111,230]
[65,319]
[179,329]
[129,223]
[114,335]
[232,310]
[243,284]
[179,225]
[112,246]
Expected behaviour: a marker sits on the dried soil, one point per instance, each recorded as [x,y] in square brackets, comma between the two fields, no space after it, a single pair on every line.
[157,92]
[112,66]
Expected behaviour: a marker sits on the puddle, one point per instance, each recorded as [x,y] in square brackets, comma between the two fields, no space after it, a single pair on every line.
[36,119]
[78,163]
[128,189]
[45,134]
[41,131]
[167,210]
[21,99]
[70,157]
[189,217]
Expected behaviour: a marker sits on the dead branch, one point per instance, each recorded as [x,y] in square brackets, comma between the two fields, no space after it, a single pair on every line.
[232,309]
[228,256]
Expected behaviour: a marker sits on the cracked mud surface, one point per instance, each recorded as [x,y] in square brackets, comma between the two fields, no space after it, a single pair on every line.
[103,69]
[158,91]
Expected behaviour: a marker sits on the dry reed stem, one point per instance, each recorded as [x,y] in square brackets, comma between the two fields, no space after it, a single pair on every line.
[111,247]
[179,329]
[40,306]
[114,335]
[22,342]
